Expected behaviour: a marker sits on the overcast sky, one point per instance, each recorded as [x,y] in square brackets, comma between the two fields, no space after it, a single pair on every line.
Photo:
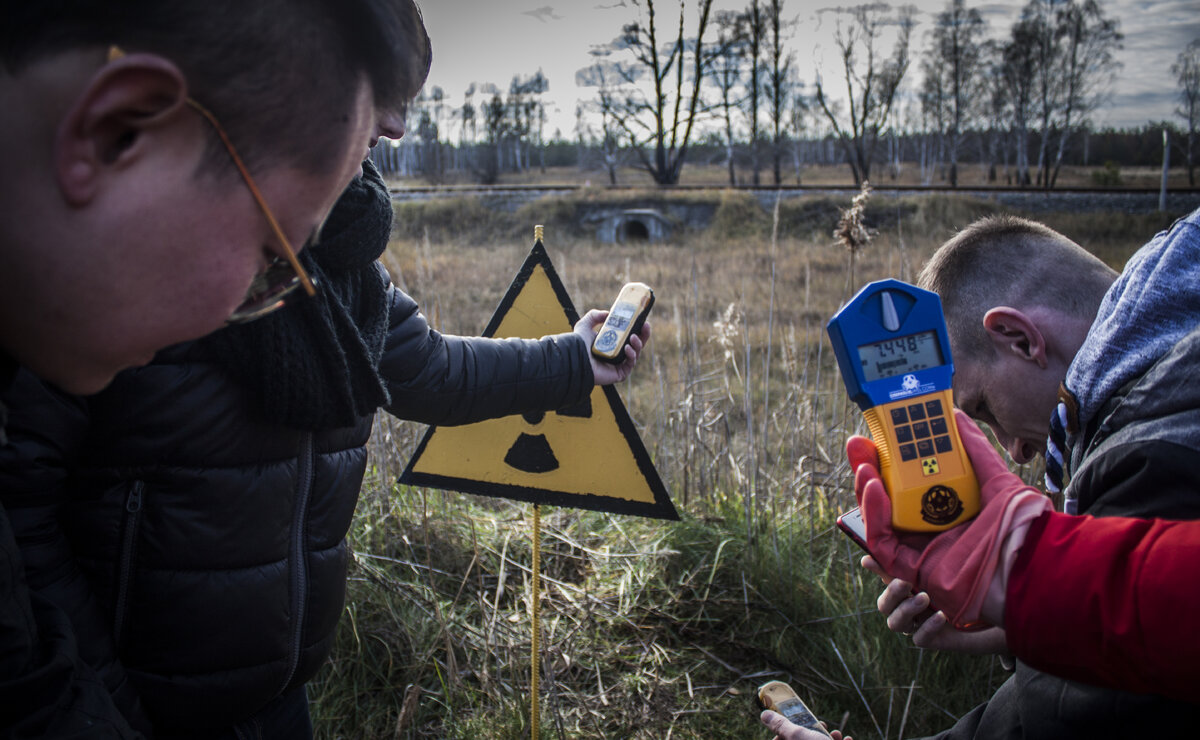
[490,41]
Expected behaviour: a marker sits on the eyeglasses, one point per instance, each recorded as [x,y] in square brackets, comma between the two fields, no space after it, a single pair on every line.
[277,285]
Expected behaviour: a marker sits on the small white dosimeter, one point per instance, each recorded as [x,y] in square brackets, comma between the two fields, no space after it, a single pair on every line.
[625,319]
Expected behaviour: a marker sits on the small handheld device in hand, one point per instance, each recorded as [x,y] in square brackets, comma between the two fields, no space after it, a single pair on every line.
[779,697]
[894,353]
[625,319]
[852,524]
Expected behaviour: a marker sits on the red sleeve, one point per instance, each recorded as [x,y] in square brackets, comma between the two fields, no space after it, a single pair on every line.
[1109,601]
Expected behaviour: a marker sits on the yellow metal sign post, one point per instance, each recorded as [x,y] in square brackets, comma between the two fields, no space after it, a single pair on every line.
[588,456]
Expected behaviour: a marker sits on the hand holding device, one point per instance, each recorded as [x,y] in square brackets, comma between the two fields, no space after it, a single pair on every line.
[956,568]
[625,319]
[779,697]
[893,350]
[910,613]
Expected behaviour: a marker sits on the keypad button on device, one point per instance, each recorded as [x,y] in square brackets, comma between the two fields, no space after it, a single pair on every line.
[908,452]
[933,408]
[943,444]
[938,426]
[916,411]
[921,429]
[899,416]
[904,434]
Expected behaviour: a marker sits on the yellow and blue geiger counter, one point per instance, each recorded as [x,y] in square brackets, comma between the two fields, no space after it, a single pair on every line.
[894,353]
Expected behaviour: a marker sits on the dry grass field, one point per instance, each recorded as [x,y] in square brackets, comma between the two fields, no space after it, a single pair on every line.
[653,629]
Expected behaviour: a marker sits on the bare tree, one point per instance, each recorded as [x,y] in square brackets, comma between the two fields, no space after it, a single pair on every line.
[468,123]
[996,102]
[1037,24]
[726,71]
[1187,69]
[952,66]
[1088,41]
[933,97]
[798,121]
[604,76]
[527,115]
[428,109]
[1073,46]
[753,20]
[1018,61]
[779,82]
[871,81]
[495,127]
[658,101]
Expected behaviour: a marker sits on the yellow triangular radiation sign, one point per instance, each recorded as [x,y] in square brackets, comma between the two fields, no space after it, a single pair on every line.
[587,456]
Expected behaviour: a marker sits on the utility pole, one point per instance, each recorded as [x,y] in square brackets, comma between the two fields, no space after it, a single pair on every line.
[1162,190]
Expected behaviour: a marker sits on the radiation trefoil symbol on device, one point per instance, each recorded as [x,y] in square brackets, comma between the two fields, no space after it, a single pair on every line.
[941,505]
[929,466]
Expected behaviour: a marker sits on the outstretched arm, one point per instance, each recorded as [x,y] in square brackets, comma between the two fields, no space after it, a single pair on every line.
[444,379]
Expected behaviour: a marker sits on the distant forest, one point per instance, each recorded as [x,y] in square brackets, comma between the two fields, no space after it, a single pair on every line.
[434,162]
[685,83]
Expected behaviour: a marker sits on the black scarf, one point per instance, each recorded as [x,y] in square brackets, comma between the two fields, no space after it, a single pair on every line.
[315,364]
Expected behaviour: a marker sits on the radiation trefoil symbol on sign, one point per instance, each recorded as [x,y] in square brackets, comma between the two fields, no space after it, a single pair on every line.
[532,452]
[587,455]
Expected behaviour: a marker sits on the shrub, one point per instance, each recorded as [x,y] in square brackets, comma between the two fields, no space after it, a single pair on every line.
[1107,177]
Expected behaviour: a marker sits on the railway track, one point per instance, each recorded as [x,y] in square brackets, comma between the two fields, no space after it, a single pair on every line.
[1128,200]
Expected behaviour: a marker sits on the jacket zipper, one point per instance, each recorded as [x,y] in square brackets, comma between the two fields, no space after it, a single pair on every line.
[297,561]
[133,515]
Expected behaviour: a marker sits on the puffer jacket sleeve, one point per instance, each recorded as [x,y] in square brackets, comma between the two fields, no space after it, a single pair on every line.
[439,379]
[73,661]
[1110,602]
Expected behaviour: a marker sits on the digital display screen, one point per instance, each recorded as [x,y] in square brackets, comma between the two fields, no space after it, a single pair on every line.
[621,315]
[899,356]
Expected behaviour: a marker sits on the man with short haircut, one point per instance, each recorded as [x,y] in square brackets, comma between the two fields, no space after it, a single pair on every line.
[1043,333]
[163,163]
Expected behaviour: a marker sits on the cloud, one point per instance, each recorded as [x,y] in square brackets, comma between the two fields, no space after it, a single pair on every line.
[543,14]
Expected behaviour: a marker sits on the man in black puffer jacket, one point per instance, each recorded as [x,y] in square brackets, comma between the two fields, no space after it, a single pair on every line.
[192,517]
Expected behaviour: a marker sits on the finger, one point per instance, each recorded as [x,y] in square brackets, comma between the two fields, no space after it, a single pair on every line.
[887,547]
[891,596]
[863,475]
[910,614]
[929,634]
[593,318]
[785,730]
[860,450]
[870,564]
[644,334]
[636,344]
[877,518]
[774,721]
